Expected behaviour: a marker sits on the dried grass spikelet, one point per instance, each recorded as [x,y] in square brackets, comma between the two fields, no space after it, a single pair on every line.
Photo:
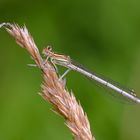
[53,89]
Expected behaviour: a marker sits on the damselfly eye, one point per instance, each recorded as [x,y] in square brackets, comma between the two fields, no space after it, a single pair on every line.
[47,51]
[49,48]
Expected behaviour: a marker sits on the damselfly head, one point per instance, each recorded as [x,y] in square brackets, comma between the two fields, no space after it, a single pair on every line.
[49,48]
[47,51]
[59,59]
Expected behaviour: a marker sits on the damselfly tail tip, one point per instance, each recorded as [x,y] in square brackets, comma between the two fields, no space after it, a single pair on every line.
[133,92]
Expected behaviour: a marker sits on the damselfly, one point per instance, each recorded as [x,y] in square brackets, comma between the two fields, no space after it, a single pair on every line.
[67,62]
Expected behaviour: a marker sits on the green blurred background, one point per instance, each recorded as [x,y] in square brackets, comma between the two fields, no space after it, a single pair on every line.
[102,35]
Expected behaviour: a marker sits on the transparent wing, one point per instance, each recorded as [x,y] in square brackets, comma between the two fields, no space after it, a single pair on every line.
[130,94]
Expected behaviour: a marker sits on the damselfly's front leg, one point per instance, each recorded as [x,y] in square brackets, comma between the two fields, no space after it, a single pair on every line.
[54,65]
[64,74]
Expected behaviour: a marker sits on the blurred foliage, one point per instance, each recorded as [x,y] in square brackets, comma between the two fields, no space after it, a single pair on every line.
[102,35]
